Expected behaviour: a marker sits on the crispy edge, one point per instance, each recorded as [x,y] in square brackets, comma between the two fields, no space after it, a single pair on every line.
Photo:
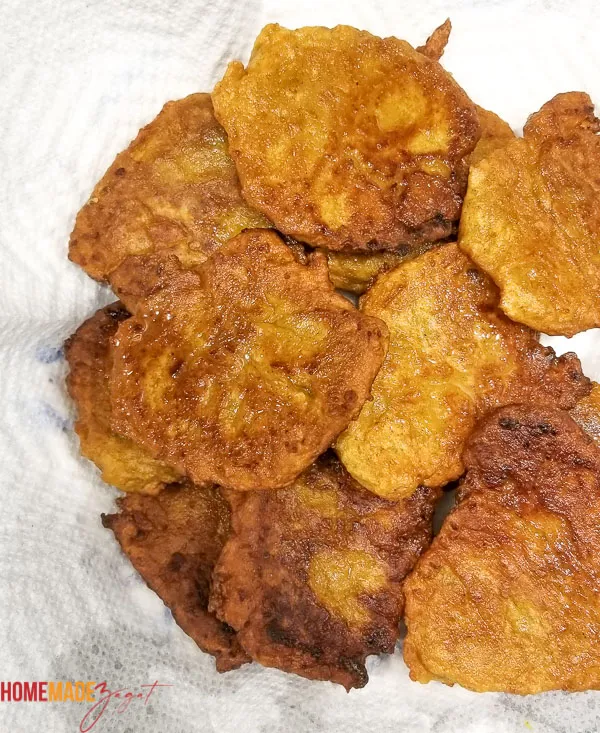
[435,45]
[495,134]
[122,462]
[176,564]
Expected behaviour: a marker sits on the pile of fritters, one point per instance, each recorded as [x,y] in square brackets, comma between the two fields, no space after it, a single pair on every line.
[282,449]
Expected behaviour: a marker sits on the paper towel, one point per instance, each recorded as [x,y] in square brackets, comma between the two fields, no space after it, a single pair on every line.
[78,80]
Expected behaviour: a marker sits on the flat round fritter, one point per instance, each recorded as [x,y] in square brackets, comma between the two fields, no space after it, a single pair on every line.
[346,140]
[175,188]
[122,463]
[173,540]
[452,357]
[311,576]
[507,598]
[245,376]
[531,218]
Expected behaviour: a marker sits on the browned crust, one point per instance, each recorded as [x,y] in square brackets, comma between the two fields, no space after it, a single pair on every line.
[329,156]
[436,44]
[173,189]
[122,463]
[452,357]
[173,540]
[531,218]
[506,598]
[278,360]
[262,582]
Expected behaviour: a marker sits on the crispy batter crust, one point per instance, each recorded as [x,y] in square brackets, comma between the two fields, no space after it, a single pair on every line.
[312,574]
[586,413]
[495,134]
[141,276]
[436,44]
[451,358]
[531,219]
[175,188]
[173,540]
[357,271]
[122,463]
[346,140]
[506,598]
[246,377]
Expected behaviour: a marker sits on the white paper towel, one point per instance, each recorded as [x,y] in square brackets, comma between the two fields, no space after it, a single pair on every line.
[78,78]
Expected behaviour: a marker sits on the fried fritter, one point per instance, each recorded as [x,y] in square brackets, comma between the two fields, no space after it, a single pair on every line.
[175,188]
[311,576]
[244,378]
[122,463]
[495,134]
[531,219]
[357,271]
[173,540]
[586,413]
[346,140]
[452,357]
[508,596]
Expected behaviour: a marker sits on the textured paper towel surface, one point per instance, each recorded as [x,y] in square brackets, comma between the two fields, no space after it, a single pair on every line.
[78,79]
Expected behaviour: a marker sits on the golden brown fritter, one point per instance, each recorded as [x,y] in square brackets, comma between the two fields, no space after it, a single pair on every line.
[346,140]
[508,596]
[246,377]
[531,219]
[173,540]
[175,188]
[357,271]
[436,44]
[586,413]
[495,134]
[311,576]
[451,358]
[122,463]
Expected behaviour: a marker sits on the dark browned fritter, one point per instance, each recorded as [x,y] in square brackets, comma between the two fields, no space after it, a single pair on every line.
[173,540]
[311,576]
